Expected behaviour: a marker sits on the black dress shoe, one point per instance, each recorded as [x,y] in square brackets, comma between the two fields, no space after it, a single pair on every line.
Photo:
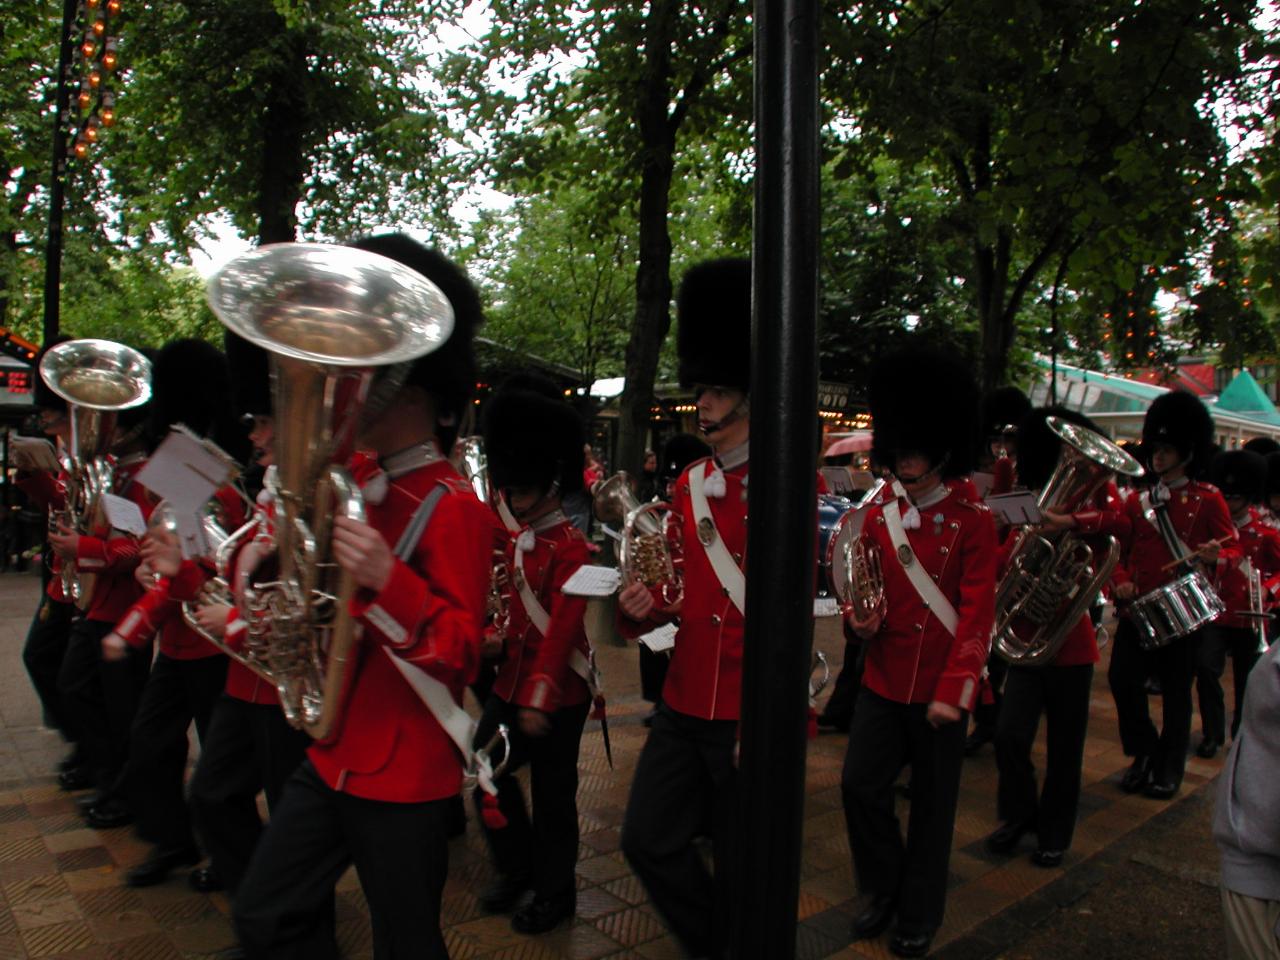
[874,918]
[107,815]
[88,801]
[974,741]
[840,723]
[1137,776]
[541,915]
[1048,858]
[155,869]
[503,893]
[1209,748]
[910,944]
[205,880]
[1161,789]
[1005,839]
[75,778]
[71,761]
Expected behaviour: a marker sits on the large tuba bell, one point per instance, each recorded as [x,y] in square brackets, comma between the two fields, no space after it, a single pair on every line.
[645,553]
[98,379]
[1050,583]
[341,326]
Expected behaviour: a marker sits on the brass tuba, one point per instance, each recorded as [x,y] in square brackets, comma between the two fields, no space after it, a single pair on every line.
[98,379]
[341,326]
[473,463]
[645,553]
[1050,583]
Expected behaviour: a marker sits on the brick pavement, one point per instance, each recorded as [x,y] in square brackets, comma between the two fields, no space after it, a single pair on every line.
[62,893]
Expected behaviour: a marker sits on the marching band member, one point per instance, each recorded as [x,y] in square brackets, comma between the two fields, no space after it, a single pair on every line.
[1271,502]
[102,693]
[50,631]
[1177,513]
[925,652]
[687,766]
[1059,689]
[534,441]
[377,792]
[190,386]
[1241,476]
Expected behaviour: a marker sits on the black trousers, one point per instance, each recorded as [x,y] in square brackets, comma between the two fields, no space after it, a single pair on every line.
[42,655]
[1061,694]
[1174,665]
[885,737]
[1242,644]
[844,695]
[151,784]
[653,673]
[546,848]
[986,716]
[685,777]
[101,697]
[248,747]
[400,851]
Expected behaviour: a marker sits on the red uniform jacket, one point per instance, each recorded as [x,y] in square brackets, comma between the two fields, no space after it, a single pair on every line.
[160,608]
[536,670]
[386,744]
[913,658]
[112,559]
[1103,517]
[1199,514]
[1260,544]
[47,492]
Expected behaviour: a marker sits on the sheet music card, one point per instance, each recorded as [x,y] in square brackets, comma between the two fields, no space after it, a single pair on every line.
[1016,508]
[187,470]
[123,515]
[663,638]
[592,581]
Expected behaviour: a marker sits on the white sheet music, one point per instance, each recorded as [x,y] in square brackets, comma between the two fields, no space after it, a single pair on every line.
[825,607]
[664,638]
[592,581]
[123,515]
[1017,508]
[186,470]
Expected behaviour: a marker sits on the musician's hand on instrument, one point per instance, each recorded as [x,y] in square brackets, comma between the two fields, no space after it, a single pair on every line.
[636,601]
[144,575]
[65,542]
[1053,522]
[247,563]
[865,629]
[212,618]
[533,723]
[1125,591]
[1208,552]
[362,552]
[114,647]
[161,550]
[940,713]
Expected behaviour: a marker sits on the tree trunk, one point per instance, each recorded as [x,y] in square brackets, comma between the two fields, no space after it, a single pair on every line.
[283,163]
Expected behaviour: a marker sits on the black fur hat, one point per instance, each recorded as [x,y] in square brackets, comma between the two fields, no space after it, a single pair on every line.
[190,384]
[1039,447]
[1181,420]
[1003,410]
[1273,474]
[448,373]
[533,437]
[250,368]
[1263,445]
[678,452]
[713,333]
[1240,473]
[923,399]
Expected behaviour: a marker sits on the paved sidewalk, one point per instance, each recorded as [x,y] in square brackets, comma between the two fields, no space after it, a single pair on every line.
[62,893]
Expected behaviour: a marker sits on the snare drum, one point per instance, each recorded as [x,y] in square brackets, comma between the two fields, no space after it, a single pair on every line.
[1174,610]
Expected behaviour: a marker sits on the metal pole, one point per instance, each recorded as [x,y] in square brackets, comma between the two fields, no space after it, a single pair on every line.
[781,525]
[53,246]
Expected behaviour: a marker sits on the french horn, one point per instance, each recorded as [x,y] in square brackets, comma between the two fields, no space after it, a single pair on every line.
[645,554]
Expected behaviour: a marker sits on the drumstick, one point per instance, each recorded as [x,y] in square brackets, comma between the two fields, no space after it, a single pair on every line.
[1191,556]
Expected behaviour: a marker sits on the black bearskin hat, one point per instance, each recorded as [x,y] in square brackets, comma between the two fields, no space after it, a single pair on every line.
[713,333]
[191,385]
[250,367]
[1240,473]
[41,393]
[1039,447]
[1182,421]
[1003,410]
[1273,474]
[533,437]
[923,399]
[448,373]
[1264,446]
[678,452]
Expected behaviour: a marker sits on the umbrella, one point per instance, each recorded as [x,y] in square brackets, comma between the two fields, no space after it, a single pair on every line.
[857,442]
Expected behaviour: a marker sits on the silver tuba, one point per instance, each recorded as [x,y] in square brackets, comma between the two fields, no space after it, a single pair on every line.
[341,326]
[473,463]
[98,379]
[645,553]
[1050,583]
